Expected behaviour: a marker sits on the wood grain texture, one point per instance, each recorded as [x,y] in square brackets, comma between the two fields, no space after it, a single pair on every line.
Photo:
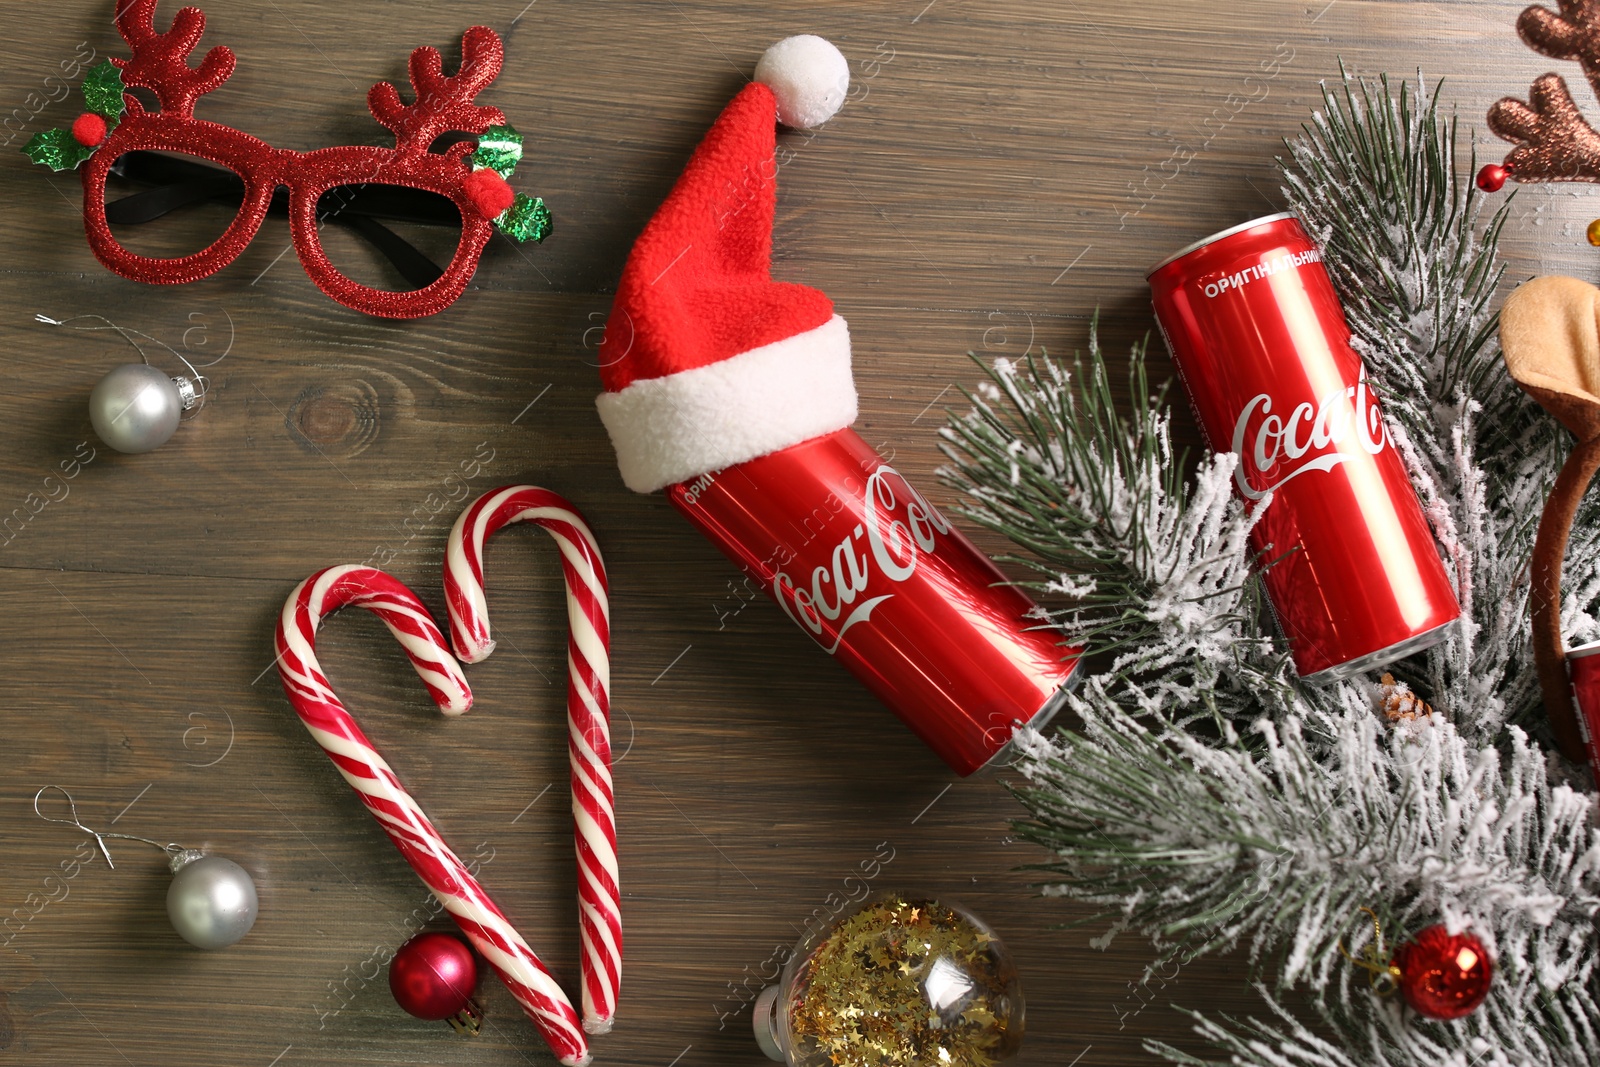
[1003,168]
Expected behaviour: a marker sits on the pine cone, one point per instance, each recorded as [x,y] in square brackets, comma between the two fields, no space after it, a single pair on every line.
[1398,703]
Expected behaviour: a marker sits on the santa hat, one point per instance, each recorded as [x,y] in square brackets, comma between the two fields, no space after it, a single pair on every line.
[708,362]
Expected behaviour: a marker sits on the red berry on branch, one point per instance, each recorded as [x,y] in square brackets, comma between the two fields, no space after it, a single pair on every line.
[1492,177]
[433,976]
[1444,975]
[489,193]
[89,130]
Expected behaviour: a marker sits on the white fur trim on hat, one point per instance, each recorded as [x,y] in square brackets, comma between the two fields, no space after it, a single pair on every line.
[671,429]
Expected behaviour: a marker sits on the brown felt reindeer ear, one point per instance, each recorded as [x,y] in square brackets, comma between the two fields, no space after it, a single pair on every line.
[1550,337]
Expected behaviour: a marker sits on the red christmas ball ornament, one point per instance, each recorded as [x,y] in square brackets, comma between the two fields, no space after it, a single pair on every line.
[1444,975]
[489,193]
[433,976]
[89,129]
[1492,177]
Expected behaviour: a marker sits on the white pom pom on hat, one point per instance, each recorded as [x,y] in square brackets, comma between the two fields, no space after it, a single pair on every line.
[810,78]
[708,361]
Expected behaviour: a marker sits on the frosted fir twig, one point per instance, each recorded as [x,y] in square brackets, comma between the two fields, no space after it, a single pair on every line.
[1210,802]
[1558,1030]
[1273,846]
[1376,180]
[1136,560]
[1269,842]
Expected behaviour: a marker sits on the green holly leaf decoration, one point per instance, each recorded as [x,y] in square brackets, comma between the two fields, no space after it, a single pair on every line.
[58,150]
[527,219]
[102,91]
[499,149]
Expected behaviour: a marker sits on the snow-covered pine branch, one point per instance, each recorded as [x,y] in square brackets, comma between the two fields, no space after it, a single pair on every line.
[1271,843]
[1148,566]
[1211,802]
[1376,181]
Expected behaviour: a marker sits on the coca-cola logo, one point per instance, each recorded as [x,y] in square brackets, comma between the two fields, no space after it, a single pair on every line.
[1274,449]
[898,527]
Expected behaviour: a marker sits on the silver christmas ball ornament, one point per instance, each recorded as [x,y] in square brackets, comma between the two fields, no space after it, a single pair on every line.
[136,407]
[212,901]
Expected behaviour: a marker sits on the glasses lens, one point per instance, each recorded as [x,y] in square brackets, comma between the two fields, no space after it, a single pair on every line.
[388,237]
[167,205]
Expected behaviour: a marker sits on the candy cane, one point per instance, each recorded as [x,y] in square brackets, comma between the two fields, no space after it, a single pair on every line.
[380,790]
[588,707]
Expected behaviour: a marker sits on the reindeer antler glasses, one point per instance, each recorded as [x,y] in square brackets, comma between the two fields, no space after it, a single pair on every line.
[472,176]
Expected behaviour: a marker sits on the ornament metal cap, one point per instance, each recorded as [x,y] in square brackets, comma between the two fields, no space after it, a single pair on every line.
[182,858]
[469,1020]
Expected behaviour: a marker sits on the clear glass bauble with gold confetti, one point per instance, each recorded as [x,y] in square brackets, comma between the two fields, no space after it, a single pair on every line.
[894,981]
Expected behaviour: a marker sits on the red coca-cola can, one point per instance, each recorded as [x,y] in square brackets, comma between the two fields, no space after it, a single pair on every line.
[887,586]
[1583,664]
[1261,343]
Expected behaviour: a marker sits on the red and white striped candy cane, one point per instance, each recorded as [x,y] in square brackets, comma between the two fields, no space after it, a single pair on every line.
[588,707]
[380,790]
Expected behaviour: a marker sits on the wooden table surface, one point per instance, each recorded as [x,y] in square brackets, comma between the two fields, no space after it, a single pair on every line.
[1003,167]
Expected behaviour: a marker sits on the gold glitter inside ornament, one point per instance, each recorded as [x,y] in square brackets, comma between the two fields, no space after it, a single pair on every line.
[1593,233]
[901,982]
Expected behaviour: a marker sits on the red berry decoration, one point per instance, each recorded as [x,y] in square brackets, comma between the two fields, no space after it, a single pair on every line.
[1444,975]
[433,976]
[89,129]
[1492,177]
[489,193]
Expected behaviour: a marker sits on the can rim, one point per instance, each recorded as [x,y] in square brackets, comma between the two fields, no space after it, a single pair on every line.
[1592,648]
[1386,655]
[1219,235]
[1007,755]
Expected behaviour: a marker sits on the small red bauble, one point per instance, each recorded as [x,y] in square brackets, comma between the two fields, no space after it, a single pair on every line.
[1492,177]
[1444,975]
[489,193]
[433,976]
[89,129]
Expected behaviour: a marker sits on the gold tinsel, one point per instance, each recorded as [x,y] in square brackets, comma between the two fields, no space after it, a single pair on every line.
[867,999]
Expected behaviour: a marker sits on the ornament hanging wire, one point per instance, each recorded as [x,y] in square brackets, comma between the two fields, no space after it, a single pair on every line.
[1384,976]
[99,837]
[195,397]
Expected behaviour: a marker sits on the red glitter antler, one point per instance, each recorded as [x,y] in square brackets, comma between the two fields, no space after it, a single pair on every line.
[160,61]
[443,104]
